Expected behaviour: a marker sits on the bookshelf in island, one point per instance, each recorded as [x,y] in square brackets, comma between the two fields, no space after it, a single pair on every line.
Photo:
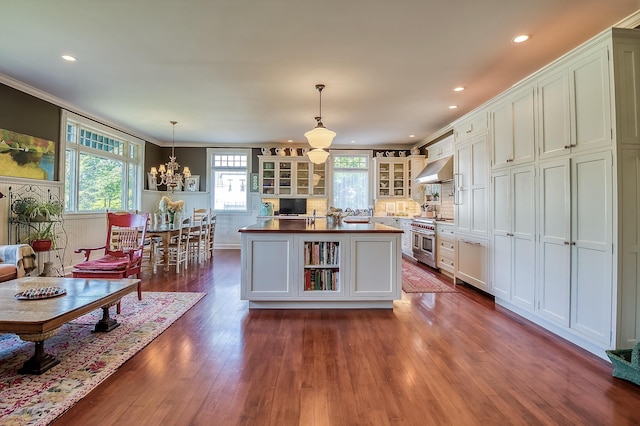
[296,264]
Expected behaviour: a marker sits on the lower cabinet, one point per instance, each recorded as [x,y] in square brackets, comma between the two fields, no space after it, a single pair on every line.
[446,252]
[472,264]
[322,270]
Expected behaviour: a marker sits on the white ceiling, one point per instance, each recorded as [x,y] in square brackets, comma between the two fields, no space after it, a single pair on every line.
[244,71]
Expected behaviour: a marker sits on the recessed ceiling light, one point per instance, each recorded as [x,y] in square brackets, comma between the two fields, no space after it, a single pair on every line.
[520,38]
[458,89]
[412,136]
[68,58]
[353,141]
[453,106]
[290,140]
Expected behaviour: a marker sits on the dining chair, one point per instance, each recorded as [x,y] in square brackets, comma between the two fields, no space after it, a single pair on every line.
[199,235]
[177,250]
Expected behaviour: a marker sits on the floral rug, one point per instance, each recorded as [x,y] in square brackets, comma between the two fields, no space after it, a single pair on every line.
[86,358]
[417,279]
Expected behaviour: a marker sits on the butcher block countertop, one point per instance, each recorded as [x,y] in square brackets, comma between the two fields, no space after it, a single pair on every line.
[320,225]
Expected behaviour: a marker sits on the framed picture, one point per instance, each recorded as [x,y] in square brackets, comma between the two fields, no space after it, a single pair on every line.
[192,183]
[153,184]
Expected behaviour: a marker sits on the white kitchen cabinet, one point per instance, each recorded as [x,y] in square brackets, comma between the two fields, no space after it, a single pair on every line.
[576,246]
[512,129]
[446,248]
[441,149]
[470,126]
[472,265]
[513,249]
[574,109]
[471,187]
[291,176]
[269,272]
[375,267]
[415,164]
[391,177]
[405,225]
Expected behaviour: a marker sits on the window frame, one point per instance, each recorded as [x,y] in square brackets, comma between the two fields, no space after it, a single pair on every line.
[211,171]
[351,153]
[131,192]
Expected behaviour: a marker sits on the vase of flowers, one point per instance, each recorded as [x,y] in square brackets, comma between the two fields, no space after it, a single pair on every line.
[172,209]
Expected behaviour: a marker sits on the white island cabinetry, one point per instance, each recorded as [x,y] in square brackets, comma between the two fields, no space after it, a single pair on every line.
[292,264]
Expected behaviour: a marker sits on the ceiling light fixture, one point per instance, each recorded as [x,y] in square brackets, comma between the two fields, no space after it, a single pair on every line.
[68,58]
[320,137]
[453,106]
[458,89]
[520,38]
[169,175]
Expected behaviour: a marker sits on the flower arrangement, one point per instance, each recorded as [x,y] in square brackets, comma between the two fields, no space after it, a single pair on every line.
[168,206]
[334,215]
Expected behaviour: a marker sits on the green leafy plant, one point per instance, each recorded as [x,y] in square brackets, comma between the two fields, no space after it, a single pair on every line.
[43,232]
[43,211]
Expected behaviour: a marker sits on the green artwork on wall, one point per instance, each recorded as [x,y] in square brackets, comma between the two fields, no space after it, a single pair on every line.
[26,156]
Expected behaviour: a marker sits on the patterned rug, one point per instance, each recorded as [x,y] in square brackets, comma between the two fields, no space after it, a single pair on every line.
[417,279]
[86,358]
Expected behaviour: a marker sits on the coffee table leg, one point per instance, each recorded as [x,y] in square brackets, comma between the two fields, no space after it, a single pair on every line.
[40,361]
[107,323]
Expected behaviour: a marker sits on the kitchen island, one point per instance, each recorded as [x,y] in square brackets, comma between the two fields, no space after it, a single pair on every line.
[302,264]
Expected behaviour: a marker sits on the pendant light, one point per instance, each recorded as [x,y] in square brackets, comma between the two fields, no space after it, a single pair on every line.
[320,137]
[169,175]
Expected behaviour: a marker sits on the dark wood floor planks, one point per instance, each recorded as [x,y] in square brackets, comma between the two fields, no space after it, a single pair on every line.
[436,359]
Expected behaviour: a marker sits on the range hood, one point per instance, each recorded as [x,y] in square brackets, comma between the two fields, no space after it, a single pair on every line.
[437,171]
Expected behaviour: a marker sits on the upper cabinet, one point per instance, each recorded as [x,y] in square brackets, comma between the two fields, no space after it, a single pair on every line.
[415,164]
[291,177]
[574,107]
[391,177]
[470,126]
[442,148]
[512,129]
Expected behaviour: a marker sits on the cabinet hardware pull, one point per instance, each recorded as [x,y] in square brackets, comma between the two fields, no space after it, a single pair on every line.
[471,242]
[573,243]
[566,243]
[567,146]
[509,234]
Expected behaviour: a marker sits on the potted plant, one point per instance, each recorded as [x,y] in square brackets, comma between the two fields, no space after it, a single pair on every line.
[43,211]
[42,237]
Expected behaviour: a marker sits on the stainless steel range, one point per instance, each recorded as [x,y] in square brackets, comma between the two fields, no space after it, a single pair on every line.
[423,237]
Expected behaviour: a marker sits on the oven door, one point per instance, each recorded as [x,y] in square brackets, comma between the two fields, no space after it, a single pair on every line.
[423,247]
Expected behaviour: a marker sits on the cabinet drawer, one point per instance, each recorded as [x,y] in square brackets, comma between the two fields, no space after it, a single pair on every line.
[446,263]
[446,245]
[446,231]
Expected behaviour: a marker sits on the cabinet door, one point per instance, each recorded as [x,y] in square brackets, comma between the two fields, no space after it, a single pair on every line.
[384,179]
[375,264]
[555,237]
[522,107]
[591,230]
[462,188]
[268,177]
[472,262]
[502,134]
[523,232]
[479,186]
[285,177]
[590,106]
[268,268]
[302,178]
[501,249]
[554,123]
[318,180]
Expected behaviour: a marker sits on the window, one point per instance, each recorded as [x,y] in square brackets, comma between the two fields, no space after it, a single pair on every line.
[102,167]
[351,180]
[229,179]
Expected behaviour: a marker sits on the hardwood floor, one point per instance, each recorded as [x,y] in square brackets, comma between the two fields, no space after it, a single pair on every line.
[435,359]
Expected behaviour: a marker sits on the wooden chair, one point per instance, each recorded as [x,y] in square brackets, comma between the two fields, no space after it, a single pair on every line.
[198,238]
[122,252]
[212,231]
[177,250]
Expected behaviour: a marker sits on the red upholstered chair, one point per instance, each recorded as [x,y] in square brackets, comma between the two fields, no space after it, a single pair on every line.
[122,257]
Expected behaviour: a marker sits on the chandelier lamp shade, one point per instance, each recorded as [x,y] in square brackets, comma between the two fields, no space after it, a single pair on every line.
[317,155]
[168,174]
[320,137]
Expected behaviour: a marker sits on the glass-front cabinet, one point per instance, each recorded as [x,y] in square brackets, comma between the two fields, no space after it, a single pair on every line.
[291,177]
[391,177]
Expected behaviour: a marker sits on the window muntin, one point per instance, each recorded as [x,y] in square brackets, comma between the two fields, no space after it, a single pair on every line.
[101,169]
[351,187]
[230,178]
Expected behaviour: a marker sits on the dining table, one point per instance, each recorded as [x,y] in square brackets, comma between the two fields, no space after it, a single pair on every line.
[164,232]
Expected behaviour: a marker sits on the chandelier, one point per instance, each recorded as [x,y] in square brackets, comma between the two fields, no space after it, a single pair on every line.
[169,175]
[320,137]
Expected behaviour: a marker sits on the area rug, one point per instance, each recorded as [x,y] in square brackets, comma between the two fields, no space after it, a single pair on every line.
[86,358]
[415,279]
